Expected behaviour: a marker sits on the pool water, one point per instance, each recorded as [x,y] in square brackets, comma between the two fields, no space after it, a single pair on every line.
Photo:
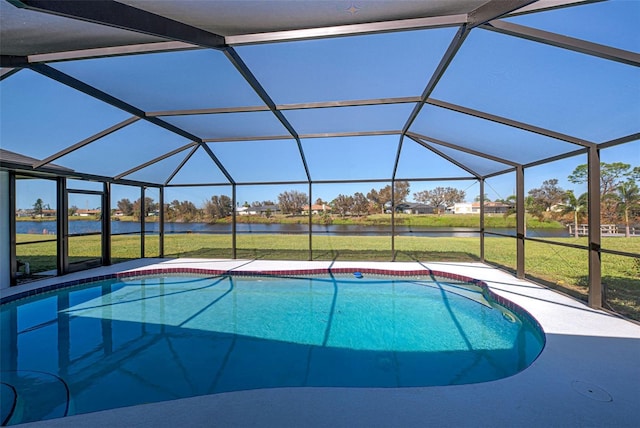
[124,342]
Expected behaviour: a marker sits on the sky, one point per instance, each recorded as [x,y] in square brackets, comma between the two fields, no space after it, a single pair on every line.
[567,92]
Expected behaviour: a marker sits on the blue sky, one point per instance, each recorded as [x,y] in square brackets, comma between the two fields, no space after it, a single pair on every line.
[563,91]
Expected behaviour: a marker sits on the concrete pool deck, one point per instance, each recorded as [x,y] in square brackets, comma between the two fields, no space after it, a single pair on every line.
[587,375]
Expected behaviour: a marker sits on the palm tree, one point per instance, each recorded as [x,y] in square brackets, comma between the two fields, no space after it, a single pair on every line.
[577,206]
[628,196]
[38,207]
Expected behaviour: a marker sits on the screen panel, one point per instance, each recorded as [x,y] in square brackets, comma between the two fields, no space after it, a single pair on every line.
[470,132]
[352,158]
[543,85]
[261,161]
[371,66]
[183,80]
[41,117]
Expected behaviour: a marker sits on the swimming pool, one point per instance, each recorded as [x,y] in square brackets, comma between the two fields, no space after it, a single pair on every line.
[132,340]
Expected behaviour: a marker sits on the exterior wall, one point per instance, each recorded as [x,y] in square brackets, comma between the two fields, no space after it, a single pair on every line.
[5,216]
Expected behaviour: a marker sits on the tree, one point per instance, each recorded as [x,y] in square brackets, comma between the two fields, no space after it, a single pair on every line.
[342,204]
[440,196]
[627,196]
[575,206]
[38,207]
[380,198]
[125,206]
[292,202]
[360,204]
[218,206]
[547,195]
[376,201]
[182,211]
[149,207]
[611,176]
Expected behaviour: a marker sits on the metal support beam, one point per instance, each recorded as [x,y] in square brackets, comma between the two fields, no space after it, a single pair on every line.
[520,223]
[346,30]
[494,9]
[463,149]
[112,51]
[86,141]
[621,140]
[161,222]
[179,167]
[310,222]
[13,260]
[565,42]
[445,156]
[13,61]
[142,225]
[244,70]
[234,232]
[106,224]
[155,160]
[74,83]
[510,122]
[62,202]
[125,17]
[453,48]
[482,220]
[595,262]
[393,220]
[7,72]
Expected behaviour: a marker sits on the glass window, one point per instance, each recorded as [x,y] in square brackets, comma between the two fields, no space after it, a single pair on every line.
[85,185]
[125,227]
[36,227]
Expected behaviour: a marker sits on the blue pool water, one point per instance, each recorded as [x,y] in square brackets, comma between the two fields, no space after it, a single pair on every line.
[124,342]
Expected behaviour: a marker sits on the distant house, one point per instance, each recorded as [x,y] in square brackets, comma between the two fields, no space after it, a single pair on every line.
[474,208]
[257,210]
[415,208]
[316,209]
[463,208]
[495,207]
[86,213]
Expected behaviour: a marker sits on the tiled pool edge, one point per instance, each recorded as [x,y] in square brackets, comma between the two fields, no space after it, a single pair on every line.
[286,272]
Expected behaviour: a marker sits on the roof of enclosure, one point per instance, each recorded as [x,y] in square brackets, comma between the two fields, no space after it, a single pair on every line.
[215,92]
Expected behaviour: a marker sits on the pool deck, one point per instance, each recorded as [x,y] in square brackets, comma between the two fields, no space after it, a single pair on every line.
[588,374]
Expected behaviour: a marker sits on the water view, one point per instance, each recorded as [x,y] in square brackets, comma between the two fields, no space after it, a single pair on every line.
[121,227]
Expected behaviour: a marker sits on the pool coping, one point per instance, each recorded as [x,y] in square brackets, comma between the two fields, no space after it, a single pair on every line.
[551,392]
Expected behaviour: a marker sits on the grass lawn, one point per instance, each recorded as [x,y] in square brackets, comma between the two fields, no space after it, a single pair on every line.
[559,267]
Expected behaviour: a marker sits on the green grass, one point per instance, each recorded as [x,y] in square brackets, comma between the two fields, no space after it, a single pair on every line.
[559,267]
